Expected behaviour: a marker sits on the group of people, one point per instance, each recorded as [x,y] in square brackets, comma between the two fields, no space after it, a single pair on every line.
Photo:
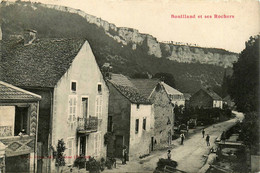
[182,136]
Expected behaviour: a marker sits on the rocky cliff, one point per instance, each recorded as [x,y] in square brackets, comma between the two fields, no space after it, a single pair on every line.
[172,51]
[129,51]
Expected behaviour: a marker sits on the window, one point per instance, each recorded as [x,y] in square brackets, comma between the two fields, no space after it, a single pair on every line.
[97,143]
[72,111]
[136,125]
[99,106]
[99,88]
[21,120]
[138,106]
[84,107]
[74,86]
[110,124]
[70,150]
[144,124]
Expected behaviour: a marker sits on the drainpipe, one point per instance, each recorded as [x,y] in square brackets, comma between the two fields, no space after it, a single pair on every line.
[50,132]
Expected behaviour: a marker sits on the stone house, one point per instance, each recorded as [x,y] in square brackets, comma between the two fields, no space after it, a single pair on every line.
[130,119]
[206,98]
[74,105]
[177,98]
[19,111]
[154,90]
[228,102]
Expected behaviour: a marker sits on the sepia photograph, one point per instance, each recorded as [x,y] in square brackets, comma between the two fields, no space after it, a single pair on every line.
[129,86]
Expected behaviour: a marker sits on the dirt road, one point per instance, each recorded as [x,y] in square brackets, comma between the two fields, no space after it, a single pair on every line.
[190,157]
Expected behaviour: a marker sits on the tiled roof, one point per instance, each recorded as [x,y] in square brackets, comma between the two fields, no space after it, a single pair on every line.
[170,90]
[145,86]
[9,92]
[212,94]
[40,64]
[126,88]
[227,98]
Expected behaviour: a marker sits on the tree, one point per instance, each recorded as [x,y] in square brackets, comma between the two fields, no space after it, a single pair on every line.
[60,161]
[244,83]
[166,77]
[225,84]
[140,76]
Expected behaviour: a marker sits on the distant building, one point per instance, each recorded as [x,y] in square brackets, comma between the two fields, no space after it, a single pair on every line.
[177,98]
[74,105]
[206,98]
[130,119]
[187,97]
[19,111]
[228,102]
[154,90]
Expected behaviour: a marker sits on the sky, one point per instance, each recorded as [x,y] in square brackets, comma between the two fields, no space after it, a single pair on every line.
[154,17]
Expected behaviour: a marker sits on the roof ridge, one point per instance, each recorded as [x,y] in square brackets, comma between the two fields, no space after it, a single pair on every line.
[20,89]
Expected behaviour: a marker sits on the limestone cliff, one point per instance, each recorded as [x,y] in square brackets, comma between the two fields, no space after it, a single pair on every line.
[173,51]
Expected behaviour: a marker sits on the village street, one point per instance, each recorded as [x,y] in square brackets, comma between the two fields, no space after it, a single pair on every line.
[190,157]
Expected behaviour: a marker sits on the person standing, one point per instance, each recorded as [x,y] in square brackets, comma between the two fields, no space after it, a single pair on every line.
[203,132]
[207,140]
[223,137]
[124,155]
[182,138]
[169,155]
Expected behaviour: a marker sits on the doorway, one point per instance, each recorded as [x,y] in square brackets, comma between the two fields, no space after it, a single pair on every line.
[82,146]
[119,144]
[152,144]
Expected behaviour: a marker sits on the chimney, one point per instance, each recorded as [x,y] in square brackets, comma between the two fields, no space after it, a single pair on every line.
[106,70]
[29,36]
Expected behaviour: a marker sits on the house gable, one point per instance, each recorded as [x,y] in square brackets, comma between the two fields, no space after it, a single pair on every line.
[82,89]
[201,99]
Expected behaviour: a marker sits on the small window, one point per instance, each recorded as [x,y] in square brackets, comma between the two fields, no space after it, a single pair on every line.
[144,124]
[99,88]
[136,125]
[138,106]
[110,124]
[74,86]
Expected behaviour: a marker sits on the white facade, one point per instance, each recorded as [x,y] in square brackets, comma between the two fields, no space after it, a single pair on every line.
[81,90]
[217,104]
[140,136]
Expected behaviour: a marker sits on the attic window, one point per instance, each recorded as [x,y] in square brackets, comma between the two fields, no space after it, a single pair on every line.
[99,88]
[74,86]
[138,106]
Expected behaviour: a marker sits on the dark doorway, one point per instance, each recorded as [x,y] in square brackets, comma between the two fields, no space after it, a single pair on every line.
[151,143]
[119,143]
[82,146]
[19,163]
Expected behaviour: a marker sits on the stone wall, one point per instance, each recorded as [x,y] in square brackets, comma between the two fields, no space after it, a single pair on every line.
[119,110]
[164,117]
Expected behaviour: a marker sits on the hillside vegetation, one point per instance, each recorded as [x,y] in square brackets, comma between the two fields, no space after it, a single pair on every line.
[56,24]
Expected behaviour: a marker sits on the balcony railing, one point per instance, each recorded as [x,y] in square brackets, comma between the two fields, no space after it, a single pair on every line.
[87,124]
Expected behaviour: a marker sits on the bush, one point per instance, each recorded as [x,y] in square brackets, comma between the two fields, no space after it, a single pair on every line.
[92,166]
[80,162]
[110,162]
[163,162]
